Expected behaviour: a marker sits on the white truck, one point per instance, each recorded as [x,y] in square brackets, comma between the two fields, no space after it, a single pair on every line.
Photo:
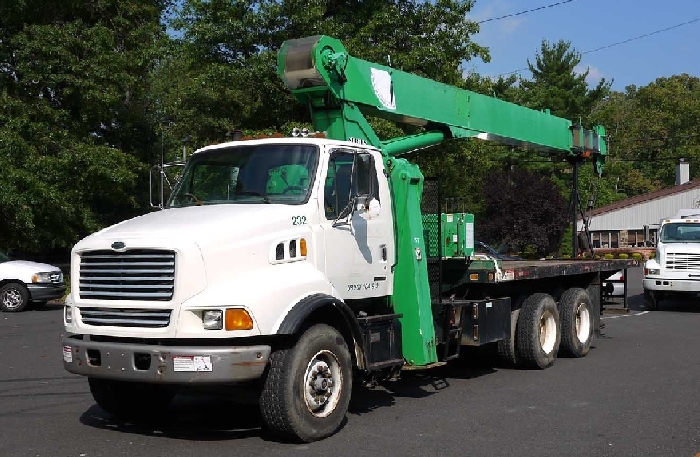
[675,270]
[296,266]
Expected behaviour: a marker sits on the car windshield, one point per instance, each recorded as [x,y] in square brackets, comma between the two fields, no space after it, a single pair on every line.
[263,173]
[3,257]
[680,232]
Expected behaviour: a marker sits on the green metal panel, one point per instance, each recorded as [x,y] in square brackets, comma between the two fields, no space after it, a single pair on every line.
[456,235]
[411,290]
[465,231]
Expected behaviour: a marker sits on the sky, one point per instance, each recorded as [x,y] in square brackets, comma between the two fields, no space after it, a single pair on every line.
[589,25]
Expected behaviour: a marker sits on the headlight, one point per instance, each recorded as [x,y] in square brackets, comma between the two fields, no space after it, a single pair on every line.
[47,277]
[651,271]
[213,319]
[67,314]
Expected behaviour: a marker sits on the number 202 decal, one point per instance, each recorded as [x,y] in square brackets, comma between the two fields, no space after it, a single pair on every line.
[298,220]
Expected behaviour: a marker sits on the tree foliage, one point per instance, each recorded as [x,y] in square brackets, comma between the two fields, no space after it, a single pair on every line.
[93,93]
[558,87]
[74,124]
[517,214]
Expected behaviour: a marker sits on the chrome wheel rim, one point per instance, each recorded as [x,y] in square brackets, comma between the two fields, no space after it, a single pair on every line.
[323,383]
[548,332]
[11,298]
[583,322]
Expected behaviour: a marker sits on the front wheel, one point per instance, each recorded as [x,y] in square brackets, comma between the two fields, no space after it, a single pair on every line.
[307,389]
[14,297]
[539,331]
[651,300]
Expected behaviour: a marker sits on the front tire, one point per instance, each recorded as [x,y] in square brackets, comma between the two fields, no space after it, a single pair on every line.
[576,322]
[307,390]
[539,331]
[130,400]
[651,300]
[14,297]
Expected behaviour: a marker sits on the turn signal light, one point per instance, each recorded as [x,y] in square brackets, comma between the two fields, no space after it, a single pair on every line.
[302,247]
[238,319]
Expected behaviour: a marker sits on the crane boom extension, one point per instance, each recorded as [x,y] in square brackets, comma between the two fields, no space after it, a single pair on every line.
[340,89]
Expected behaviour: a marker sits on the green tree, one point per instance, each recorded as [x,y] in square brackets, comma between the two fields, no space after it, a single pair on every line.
[524,210]
[76,117]
[556,85]
[222,74]
[651,128]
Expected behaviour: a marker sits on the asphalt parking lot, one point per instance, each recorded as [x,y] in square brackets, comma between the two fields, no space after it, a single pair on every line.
[636,393]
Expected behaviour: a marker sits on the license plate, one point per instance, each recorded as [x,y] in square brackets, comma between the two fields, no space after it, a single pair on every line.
[192,363]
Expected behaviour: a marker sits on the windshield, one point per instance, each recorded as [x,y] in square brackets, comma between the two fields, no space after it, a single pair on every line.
[680,232]
[3,257]
[263,173]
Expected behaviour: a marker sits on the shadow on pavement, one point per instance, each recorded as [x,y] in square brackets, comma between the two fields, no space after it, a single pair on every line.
[213,418]
[199,418]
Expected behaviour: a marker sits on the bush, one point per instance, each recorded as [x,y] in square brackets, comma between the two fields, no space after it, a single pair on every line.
[637,256]
[608,256]
[652,255]
[623,255]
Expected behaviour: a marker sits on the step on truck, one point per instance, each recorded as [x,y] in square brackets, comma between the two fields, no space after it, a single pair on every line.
[299,266]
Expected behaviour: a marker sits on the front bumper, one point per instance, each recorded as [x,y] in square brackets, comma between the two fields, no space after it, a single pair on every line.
[671,285]
[46,292]
[164,364]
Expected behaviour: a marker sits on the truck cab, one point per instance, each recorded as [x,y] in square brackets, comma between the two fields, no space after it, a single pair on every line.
[675,270]
[252,225]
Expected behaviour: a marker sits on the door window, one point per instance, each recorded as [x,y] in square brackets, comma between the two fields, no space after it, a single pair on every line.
[349,175]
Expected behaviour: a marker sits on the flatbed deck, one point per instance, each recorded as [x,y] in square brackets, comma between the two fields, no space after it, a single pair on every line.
[457,271]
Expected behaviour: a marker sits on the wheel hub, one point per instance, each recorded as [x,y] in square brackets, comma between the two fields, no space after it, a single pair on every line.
[322,384]
[11,299]
[583,322]
[548,332]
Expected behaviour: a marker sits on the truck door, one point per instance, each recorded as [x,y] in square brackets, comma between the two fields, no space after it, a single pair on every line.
[358,225]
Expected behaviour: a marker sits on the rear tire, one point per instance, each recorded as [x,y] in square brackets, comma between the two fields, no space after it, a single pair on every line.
[130,400]
[14,297]
[507,349]
[307,390]
[576,312]
[539,331]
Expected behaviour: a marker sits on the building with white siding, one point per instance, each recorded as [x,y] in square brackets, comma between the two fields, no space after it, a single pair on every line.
[634,222]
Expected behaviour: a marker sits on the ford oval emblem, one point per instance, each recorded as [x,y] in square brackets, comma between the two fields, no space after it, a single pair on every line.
[117,245]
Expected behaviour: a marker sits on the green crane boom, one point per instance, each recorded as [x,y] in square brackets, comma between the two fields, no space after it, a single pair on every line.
[340,90]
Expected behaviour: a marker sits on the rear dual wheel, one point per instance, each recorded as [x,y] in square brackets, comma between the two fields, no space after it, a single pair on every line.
[576,312]
[538,331]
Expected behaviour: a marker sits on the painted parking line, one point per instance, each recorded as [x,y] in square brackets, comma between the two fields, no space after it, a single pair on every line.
[624,315]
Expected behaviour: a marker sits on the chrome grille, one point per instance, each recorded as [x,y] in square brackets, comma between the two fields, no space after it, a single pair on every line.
[126,317]
[137,274]
[682,261]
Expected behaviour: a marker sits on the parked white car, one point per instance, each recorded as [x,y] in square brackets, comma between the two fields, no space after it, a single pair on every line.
[23,282]
[614,286]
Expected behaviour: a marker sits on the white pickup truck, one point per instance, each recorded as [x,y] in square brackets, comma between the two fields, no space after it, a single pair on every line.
[23,282]
[676,268]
